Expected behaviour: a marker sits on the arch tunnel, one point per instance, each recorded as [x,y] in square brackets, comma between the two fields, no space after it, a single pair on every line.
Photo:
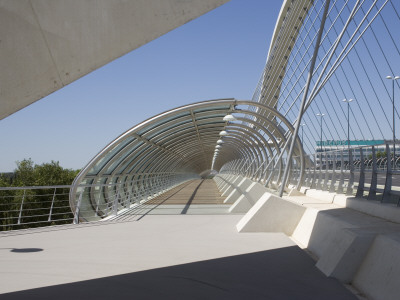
[201,139]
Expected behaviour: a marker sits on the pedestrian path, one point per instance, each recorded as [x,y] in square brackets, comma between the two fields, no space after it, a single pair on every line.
[196,197]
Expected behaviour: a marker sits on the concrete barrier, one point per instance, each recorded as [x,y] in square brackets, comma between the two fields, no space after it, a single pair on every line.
[231,185]
[387,211]
[249,197]
[379,275]
[349,245]
[227,181]
[271,214]
[317,194]
[224,182]
[238,188]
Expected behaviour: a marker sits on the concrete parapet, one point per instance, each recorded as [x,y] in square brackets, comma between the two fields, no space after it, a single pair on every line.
[271,214]
[386,211]
[238,188]
[232,183]
[345,254]
[241,205]
[227,180]
[233,196]
[317,194]
[219,180]
[349,245]
[249,197]
[379,275]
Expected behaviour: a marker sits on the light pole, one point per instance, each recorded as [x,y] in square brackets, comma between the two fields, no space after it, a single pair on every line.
[393,78]
[321,115]
[302,134]
[348,122]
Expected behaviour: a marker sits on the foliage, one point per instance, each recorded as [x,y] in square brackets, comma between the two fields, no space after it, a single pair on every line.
[381,154]
[40,207]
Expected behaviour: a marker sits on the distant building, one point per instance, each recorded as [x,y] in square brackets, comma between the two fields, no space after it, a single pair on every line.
[331,148]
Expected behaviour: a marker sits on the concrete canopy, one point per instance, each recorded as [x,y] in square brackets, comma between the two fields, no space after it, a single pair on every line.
[47,44]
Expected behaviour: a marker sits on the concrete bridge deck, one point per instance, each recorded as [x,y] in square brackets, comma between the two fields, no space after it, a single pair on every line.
[196,197]
[181,256]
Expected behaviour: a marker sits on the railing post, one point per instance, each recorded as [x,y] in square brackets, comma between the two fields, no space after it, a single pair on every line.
[98,201]
[360,188]
[313,183]
[374,177]
[52,204]
[388,181]
[325,186]
[333,179]
[77,208]
[319,185]
[350,182]
[341,179]
[115,206]
[20,209]
[129,199]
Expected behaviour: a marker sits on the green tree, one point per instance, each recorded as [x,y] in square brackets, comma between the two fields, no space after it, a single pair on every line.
[381,154]
[24,173]
[39,206]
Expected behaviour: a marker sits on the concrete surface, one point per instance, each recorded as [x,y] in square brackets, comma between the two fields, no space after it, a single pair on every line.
[348,245]
[159,257]
[48,44]
[379,276]
[387,211]
[238,189]
[271,214]
[231,184]
[248,198]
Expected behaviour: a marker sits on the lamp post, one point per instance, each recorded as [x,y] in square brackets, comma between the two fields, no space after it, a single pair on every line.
[302,133]
[393,78]
[321,115]
[348,122]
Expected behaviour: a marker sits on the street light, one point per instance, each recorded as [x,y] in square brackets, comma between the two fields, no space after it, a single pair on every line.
[321,115]
[229,118]
[393,78]
[348,122]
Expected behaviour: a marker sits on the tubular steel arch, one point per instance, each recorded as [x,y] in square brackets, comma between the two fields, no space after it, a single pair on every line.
[177,146]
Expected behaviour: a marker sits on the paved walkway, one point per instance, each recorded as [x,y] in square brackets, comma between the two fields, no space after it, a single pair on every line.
[179,256]
[196,197]
[200,191]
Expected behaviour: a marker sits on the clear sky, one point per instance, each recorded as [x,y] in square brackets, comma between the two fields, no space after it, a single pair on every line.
[218,55]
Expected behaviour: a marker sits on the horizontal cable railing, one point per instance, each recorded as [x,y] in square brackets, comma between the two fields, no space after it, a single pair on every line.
[34,206]
[37,206]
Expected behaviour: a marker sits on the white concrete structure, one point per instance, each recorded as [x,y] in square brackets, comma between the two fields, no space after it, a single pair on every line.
[48,44]
[347,244]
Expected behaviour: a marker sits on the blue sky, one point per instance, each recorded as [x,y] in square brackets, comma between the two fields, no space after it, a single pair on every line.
[219,55]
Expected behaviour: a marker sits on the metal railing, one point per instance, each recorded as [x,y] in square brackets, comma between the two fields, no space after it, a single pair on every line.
[355,171]
[359,171]
[36,206]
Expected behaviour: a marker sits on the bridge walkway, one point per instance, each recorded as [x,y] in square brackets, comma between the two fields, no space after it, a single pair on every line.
[195,197]
[185,246]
